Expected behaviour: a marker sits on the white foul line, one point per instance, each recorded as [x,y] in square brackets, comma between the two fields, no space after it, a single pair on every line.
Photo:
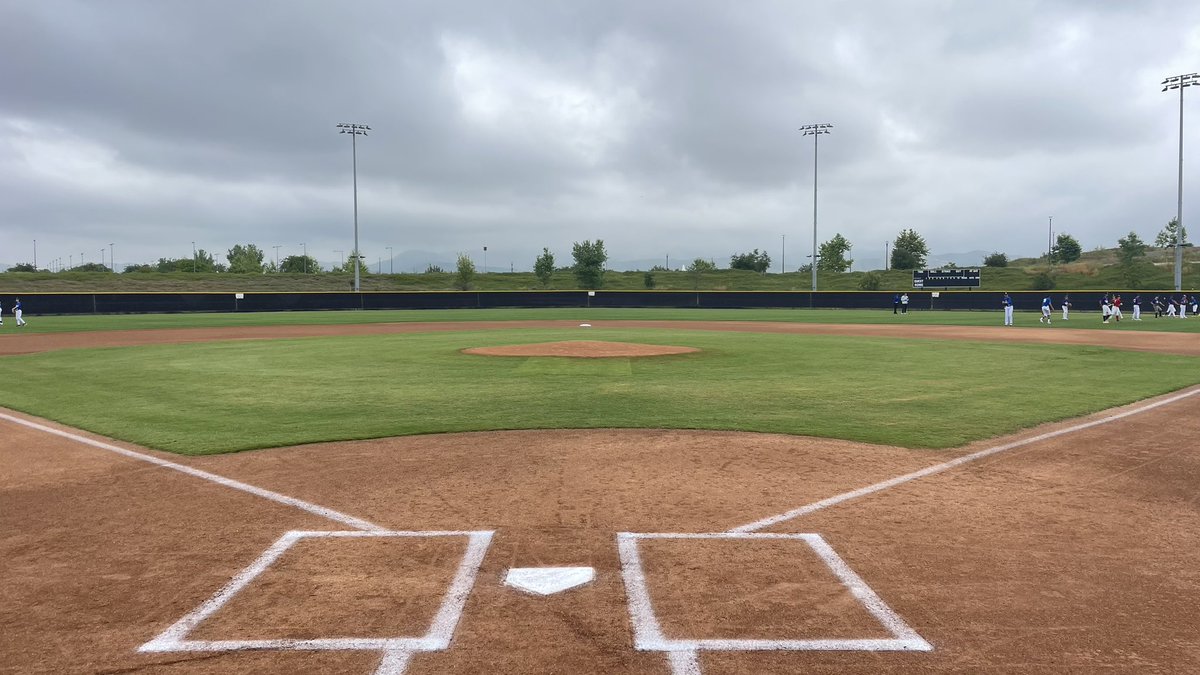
[929,471]
[337,516]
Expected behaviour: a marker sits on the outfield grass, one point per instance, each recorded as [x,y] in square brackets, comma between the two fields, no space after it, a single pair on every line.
[226,396]
[99,322]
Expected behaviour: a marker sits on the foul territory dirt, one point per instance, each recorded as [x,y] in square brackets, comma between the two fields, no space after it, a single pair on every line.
[1078,553]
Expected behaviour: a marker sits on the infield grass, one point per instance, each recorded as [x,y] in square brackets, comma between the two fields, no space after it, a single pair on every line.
[225,396]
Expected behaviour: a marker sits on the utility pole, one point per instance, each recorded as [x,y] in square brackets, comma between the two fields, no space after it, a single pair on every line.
[35,255]
[783,254]
[815,130]
[355,130]
[304,246]
[112,262]
[1180,82]
[391,261]
[193,257]
[276,247]
[1050,240]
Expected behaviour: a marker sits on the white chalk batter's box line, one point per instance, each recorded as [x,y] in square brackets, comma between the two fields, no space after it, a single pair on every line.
[397,649]
[648,635]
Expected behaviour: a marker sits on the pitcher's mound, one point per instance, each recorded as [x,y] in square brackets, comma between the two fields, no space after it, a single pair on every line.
[586,349]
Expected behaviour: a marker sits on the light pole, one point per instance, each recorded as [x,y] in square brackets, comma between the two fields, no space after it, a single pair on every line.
[112,262]
[304,246]
[355,130]
[391,261]
[815,130]
[193,257]
[485,260]
[276,247]
[35,255]
[1180,82]
[1050,240]
[783,254]
[887,245]
[102,257]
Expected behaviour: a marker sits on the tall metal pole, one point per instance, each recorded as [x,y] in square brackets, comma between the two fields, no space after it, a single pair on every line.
[391,261]
[304,246]
[112,262]
[355,130]
[1180,82]
[193,257]
[815,130]
[783,254]
[35,255]
[1050,239]
[814,248]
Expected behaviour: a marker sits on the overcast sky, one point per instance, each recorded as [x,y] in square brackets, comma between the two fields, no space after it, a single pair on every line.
[663,128]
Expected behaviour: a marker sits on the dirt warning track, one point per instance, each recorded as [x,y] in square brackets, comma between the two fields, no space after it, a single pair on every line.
[1185,344]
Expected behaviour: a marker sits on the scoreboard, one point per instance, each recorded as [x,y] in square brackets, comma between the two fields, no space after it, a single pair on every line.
[946,278]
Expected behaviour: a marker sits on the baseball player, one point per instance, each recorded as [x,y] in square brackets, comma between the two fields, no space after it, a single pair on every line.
[1066,306]
[1137,307]
[1158,308]
[1047,307]
[904,304]
[1105,309]
[17,313]
[1,314]
[1116,307]
[1172,306]
[1183,303]
[1008,308]
[1195,306]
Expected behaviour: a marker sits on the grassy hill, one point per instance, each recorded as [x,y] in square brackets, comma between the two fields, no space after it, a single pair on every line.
[1094,270]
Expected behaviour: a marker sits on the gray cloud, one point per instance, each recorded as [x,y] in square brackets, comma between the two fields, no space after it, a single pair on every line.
[665,127]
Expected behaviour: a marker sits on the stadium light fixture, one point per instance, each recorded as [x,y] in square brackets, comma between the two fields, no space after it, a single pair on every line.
[1180,82]
[355,130]
[815,130]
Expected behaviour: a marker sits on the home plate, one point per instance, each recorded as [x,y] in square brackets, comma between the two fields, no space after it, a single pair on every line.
[585,325]
[548,580]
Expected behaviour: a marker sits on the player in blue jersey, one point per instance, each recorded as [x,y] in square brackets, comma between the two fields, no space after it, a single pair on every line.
[1137,307]
[1047,306]
[1007,302]
[1066,306]
[17,313]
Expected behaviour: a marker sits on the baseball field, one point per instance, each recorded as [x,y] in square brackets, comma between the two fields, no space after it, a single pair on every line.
[596,491]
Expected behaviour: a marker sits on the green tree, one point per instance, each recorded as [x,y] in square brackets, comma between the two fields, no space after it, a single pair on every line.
[702,265]
[648,280]
[300,264]
[755,261]
[465,273]
[138,268]
[1043,281]
[90,267]
[1130,250]
[909,250]
[348,266]
[434,269]
[1066,249]
[831,256]
[589,263]
[1130,247]
[543,267]
[245,259]
[995,260]
[1166,238]
[23,267]
[871,281]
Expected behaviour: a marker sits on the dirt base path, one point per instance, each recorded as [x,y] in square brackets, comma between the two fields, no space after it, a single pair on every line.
[1186,344]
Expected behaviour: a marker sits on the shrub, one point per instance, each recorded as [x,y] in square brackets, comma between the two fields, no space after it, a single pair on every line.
[871,281]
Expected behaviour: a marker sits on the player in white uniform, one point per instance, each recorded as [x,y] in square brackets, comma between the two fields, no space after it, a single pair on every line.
[1137,308]
[1066,306]
[1,314]
[1008,308]
[1047,306]
[17,313]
